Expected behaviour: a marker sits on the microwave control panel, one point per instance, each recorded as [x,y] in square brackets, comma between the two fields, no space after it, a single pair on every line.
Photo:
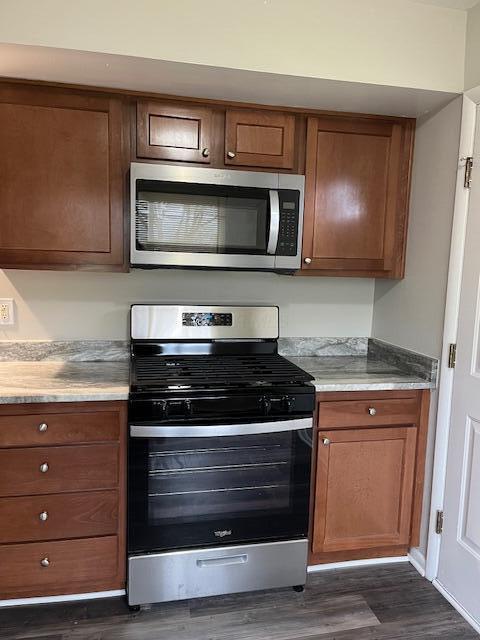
[289,218]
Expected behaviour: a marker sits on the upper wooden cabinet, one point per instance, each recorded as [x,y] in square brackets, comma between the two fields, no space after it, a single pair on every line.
[356,196]
[62,179]
[259,139]
[174,132]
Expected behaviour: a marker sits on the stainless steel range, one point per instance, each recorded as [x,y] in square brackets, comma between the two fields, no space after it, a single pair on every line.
[220,439]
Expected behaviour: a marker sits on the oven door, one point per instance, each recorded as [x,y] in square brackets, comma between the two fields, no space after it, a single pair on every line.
[213,484]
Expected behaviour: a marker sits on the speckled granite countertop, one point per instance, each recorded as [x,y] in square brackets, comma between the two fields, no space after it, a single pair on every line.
[376,367]
[357,373]
[62,381]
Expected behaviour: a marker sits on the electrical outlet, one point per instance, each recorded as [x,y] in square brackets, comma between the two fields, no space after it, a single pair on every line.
[7,315]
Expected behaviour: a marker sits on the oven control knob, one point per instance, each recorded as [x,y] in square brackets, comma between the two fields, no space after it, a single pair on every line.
[289,402]
[266,404]
[188,408]
[160,406]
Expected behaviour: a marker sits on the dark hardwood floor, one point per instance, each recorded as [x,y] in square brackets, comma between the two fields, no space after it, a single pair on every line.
[374,603]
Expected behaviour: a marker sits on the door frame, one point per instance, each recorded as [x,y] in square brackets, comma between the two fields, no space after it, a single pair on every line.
[452,306]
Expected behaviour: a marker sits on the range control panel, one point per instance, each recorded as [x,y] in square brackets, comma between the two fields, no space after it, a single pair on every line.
[289,202]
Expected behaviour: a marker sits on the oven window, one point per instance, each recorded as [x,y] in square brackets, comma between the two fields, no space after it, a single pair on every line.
[201,219]
[186,492]
[219,476]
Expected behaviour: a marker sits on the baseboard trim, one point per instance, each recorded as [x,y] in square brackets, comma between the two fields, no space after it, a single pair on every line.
[456,605]
[356,563]
[417,560]
[17,602]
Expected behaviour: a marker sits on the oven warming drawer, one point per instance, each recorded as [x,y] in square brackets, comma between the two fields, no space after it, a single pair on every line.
[178,575]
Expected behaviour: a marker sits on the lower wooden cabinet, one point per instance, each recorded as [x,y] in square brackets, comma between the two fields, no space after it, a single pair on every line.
[62,504]
[363,494]
[46,568]
[368,477]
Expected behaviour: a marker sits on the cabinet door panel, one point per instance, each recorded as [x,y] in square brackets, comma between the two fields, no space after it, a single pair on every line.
[174,132]
[259,139]
[71,468]
[61,201]
[89,564]
[58,428]
[364,486]
[356,196]
[66,515]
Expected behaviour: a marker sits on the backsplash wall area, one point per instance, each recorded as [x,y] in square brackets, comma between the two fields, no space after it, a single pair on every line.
[84,305]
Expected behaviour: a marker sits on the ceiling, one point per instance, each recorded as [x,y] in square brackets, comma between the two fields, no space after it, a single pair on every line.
[451,4]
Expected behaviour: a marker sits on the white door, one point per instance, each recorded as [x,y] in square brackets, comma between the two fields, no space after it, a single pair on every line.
[459,567]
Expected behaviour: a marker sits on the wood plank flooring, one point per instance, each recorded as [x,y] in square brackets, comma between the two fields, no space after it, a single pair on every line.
[374,603]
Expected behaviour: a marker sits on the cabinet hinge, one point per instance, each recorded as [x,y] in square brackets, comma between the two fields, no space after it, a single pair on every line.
[452,356]
[439,522]
[467,182]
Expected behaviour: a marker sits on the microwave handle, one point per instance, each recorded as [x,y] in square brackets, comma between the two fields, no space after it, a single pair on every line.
[274,222]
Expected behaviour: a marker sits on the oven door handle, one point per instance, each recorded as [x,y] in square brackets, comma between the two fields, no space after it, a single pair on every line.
[209,431]
[274,222]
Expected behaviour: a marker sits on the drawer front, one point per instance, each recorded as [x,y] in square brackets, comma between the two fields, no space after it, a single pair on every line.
[42,566]
[360,413]
[58,469]
[42,429]
[54,517]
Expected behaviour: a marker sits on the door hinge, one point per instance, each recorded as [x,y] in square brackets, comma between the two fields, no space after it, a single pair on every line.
[467,182]
[439,522]
[452,356]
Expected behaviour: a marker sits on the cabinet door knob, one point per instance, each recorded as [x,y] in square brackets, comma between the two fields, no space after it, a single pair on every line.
[372,411]
[45,562]
[205,152]
[43,427]
[231,154]
[325,442]
[43,516]
[44,467]
[307,260]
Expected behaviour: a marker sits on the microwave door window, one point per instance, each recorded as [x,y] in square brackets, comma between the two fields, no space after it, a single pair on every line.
[201,223]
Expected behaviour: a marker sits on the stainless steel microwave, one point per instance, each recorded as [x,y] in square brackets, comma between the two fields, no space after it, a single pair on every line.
[213,218]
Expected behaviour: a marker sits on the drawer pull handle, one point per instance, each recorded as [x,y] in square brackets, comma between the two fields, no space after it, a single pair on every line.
[43,427]
[205,152]
[44,467]
[372,411]
[307,260]
[43,516]
[325,442]
[231,154]
[45,562]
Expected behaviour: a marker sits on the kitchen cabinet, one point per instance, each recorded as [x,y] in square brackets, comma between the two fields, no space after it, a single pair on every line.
[368,478]
[356,196]
[62,498]
[364,488]
[259,139]
[175,132]
[62,163]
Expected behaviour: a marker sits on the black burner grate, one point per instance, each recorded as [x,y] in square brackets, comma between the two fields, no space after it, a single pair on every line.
[215,370]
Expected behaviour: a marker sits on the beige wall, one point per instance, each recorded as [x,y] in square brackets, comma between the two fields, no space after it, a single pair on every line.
[472,54]
[391,42]
[410,313]
[66,305]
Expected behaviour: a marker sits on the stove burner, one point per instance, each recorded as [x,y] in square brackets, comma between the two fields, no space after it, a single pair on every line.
[212,371]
